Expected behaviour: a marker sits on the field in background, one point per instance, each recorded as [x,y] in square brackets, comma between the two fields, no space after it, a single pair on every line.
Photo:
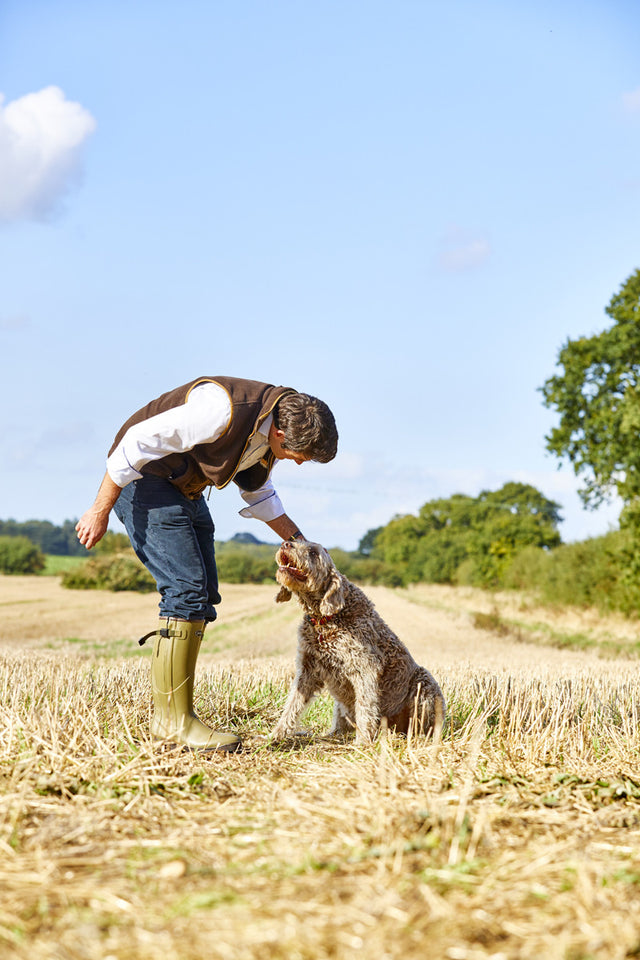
[518,837]
[55,564]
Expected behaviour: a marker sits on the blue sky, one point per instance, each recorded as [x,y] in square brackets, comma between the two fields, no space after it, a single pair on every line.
[404,208]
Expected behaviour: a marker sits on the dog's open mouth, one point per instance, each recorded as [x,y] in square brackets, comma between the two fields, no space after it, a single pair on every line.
[288,566]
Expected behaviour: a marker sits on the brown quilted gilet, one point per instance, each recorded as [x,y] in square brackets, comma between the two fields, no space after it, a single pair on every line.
[214,464]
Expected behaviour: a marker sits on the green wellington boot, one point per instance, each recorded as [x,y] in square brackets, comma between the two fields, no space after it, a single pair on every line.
[175,651]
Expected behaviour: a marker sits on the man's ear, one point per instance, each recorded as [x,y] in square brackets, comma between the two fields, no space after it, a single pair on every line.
[283,595]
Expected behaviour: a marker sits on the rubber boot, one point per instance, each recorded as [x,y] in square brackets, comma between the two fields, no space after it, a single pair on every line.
[175,651]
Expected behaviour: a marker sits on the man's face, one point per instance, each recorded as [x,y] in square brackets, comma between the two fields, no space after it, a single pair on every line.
[275,442]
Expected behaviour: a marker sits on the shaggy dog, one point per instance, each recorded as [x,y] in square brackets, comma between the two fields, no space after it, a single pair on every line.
[345,645]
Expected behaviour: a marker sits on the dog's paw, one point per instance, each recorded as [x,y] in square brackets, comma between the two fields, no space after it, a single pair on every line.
[280,733]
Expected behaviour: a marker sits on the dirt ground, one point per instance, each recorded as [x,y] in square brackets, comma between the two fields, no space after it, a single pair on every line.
[435,622]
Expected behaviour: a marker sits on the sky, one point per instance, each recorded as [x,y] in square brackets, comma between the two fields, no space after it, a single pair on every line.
[403,207]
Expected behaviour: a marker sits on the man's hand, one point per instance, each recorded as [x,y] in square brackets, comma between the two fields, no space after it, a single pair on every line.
[92,525]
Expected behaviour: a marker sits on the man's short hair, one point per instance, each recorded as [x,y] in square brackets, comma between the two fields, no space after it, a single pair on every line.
[308,425]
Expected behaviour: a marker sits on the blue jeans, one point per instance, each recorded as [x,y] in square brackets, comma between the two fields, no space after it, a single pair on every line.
[174,538]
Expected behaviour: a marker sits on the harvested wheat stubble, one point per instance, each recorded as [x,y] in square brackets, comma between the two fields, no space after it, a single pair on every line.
[518,837]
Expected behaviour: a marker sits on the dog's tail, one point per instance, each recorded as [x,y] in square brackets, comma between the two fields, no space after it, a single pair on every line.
[428,697]
[439,710]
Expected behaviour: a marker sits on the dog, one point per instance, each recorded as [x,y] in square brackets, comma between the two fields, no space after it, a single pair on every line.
[345,645]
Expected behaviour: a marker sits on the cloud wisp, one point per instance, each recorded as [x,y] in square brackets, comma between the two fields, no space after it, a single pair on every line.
[462,251]
[42,136]
[631,101]
[14,323]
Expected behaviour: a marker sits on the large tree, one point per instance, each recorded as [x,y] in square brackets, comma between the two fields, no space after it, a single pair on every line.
[597,396]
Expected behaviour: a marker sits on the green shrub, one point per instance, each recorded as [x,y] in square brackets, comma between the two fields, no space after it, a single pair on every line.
[113,543]
[528,570]
[593,573]
[20,555]
[465,575]
[111,571]
[589,573]
[246,563]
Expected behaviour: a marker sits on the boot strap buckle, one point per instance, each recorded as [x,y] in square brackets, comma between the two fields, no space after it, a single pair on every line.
[162,632]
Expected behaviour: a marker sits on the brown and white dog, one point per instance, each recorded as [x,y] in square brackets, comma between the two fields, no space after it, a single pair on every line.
[345,645]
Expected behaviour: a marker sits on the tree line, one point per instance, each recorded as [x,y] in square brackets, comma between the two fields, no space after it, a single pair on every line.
[502,539]
[465,539]
[491,542]
[23,546]
[56,540]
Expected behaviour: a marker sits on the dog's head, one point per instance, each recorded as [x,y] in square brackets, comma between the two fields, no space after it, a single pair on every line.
[306,569]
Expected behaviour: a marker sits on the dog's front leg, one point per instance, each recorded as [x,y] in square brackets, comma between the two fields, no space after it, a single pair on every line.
[367,712]
[305,685]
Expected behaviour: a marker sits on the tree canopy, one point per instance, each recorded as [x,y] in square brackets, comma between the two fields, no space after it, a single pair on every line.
[597,396]
[468,538]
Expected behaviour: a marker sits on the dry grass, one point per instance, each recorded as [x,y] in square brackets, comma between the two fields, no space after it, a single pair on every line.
[519,837]
[511,612]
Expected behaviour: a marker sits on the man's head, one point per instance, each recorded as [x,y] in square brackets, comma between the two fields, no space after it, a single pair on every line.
[303,429]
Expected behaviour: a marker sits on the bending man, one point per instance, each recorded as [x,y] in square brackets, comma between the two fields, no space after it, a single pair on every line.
[206,433]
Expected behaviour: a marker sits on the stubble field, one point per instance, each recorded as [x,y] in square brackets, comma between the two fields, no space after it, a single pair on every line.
[517,837]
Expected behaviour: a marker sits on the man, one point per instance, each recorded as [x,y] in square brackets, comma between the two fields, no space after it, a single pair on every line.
[206,433]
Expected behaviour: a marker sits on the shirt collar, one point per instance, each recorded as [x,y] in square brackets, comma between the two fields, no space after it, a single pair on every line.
[265,426]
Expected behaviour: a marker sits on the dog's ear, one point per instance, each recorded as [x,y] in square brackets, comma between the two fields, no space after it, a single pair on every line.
[283,595]
[334,599]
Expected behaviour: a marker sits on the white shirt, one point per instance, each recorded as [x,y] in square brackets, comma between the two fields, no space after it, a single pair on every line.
[202,419]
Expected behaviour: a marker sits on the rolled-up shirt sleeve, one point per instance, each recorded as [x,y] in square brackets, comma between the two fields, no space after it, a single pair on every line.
[264,503]
[119,468]
[202,419]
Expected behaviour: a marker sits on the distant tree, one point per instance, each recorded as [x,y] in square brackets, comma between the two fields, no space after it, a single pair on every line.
[482,533]
[245,537]
[597,396]
[367,543]
[430,546]
[240,562]
[505,522]
[61,540]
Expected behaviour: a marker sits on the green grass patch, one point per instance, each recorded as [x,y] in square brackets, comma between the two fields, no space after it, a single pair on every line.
[55,565]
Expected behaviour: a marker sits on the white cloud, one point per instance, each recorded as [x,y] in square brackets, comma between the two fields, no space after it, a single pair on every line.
[631,101]
[41,139]
[462,251]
